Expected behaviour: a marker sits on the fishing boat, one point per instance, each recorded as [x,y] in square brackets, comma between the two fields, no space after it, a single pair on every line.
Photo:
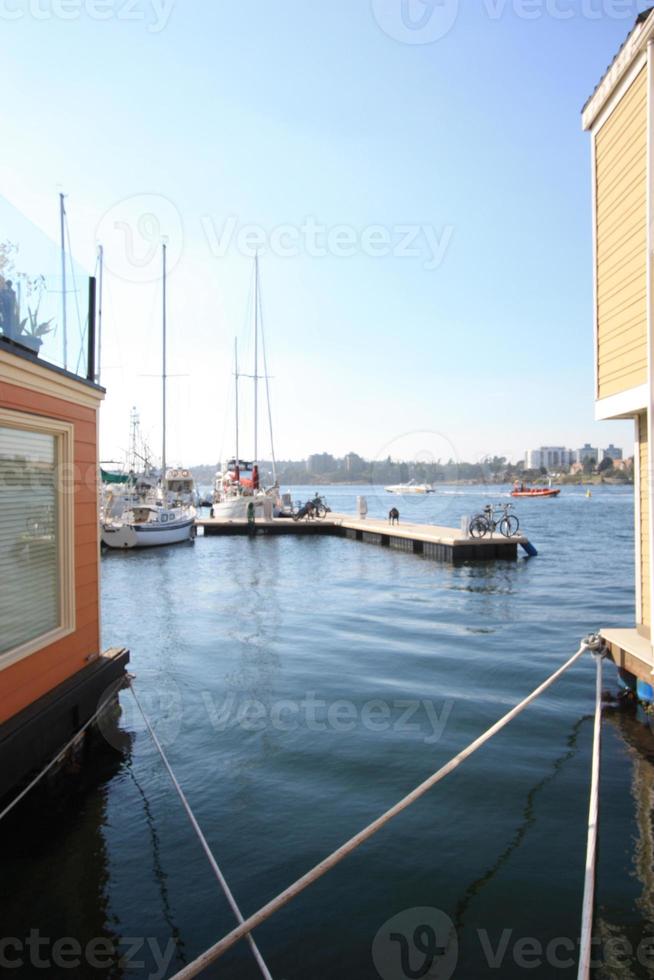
[520,490]
[410,487]
[179,488]
[238,491]
[163,515]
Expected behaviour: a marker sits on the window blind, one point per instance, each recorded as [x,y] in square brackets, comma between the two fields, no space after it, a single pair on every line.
[29,537]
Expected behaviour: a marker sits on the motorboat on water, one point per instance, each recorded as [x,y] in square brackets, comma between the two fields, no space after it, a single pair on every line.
[410,487]
[520,490]
[149,525]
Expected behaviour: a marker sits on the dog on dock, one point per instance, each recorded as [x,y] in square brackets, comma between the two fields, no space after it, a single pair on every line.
[393,516]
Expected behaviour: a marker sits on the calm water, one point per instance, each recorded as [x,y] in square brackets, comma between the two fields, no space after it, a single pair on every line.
[259,660]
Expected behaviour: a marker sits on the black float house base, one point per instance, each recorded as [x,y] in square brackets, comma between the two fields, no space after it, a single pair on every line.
[33,737]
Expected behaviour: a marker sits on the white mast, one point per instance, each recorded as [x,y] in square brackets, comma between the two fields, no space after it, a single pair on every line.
[256,358]
[163,372]
[267,379]
[133,453]
[62,231]
[236,387]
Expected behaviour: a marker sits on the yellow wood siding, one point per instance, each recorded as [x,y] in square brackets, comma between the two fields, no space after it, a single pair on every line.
[621,196]
[644,491]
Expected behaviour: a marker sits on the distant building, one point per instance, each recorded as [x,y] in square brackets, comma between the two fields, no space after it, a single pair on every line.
[612,452]
[321,463]
[587,452]
[354,464]
[550,457]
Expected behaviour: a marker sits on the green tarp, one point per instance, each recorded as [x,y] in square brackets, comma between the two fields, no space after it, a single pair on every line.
[114,477]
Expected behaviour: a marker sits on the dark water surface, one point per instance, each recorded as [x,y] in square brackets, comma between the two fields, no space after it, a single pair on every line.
[259,660]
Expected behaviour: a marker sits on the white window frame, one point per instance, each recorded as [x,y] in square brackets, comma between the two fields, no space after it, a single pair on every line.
[64,433]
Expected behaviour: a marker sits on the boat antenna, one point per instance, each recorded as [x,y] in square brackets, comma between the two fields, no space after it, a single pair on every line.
[163,370]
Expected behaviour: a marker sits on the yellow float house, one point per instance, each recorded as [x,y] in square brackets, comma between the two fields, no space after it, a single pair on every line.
[620,119]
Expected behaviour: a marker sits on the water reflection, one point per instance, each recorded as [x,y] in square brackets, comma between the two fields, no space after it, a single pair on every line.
[613,924]
[60,829]
[521,831]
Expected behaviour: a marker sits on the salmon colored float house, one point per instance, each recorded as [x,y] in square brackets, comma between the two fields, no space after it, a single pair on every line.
[53,673]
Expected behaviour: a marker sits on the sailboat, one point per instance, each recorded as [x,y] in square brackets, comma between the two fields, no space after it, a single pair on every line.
[238,493]
[156,520]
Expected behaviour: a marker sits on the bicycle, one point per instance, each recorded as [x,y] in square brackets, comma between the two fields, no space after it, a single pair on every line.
[488,523]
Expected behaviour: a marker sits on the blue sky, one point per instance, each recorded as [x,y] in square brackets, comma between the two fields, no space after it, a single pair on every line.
[465,150]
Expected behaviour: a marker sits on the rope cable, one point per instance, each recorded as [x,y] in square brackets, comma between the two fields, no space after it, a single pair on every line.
[203,841]
[266,911]
[591,848]
[114,690]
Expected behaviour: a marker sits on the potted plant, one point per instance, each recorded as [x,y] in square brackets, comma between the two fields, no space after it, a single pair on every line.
[31,332]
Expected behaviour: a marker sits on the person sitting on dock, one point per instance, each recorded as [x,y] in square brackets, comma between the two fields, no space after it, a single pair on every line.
[393,516]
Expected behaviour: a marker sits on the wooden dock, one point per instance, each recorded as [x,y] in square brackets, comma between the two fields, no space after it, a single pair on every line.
[439,543]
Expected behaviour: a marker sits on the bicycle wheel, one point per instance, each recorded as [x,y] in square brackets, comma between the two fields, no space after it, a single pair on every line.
[509,525]
[478,527]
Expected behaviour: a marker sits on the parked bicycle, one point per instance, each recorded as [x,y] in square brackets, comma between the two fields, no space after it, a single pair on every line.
[489,522]
[315,509]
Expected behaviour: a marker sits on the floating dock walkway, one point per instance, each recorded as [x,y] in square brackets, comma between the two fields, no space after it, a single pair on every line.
[439,543]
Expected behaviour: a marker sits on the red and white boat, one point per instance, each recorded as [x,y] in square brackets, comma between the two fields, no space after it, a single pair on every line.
[520,490]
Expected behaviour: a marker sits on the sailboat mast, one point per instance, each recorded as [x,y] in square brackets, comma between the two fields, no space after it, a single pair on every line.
[236,390]
[267,380]
[62,232]
[256,358]
[163,372]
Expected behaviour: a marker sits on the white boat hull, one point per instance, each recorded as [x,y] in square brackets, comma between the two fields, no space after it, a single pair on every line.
[409,489]
[123,536]
[236,509]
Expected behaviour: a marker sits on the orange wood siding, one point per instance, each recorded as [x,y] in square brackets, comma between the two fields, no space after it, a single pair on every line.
[28,679]
[621,232]
[644,490]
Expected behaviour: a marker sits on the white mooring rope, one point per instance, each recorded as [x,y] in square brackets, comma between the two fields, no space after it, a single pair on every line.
[37,779]
[591,848]
[216,951]
[203,841]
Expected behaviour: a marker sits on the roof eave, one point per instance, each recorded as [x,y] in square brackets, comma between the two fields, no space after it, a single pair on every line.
[634,45]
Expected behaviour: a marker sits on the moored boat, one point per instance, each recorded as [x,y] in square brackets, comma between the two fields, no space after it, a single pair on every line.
[238,492]
[148,526]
